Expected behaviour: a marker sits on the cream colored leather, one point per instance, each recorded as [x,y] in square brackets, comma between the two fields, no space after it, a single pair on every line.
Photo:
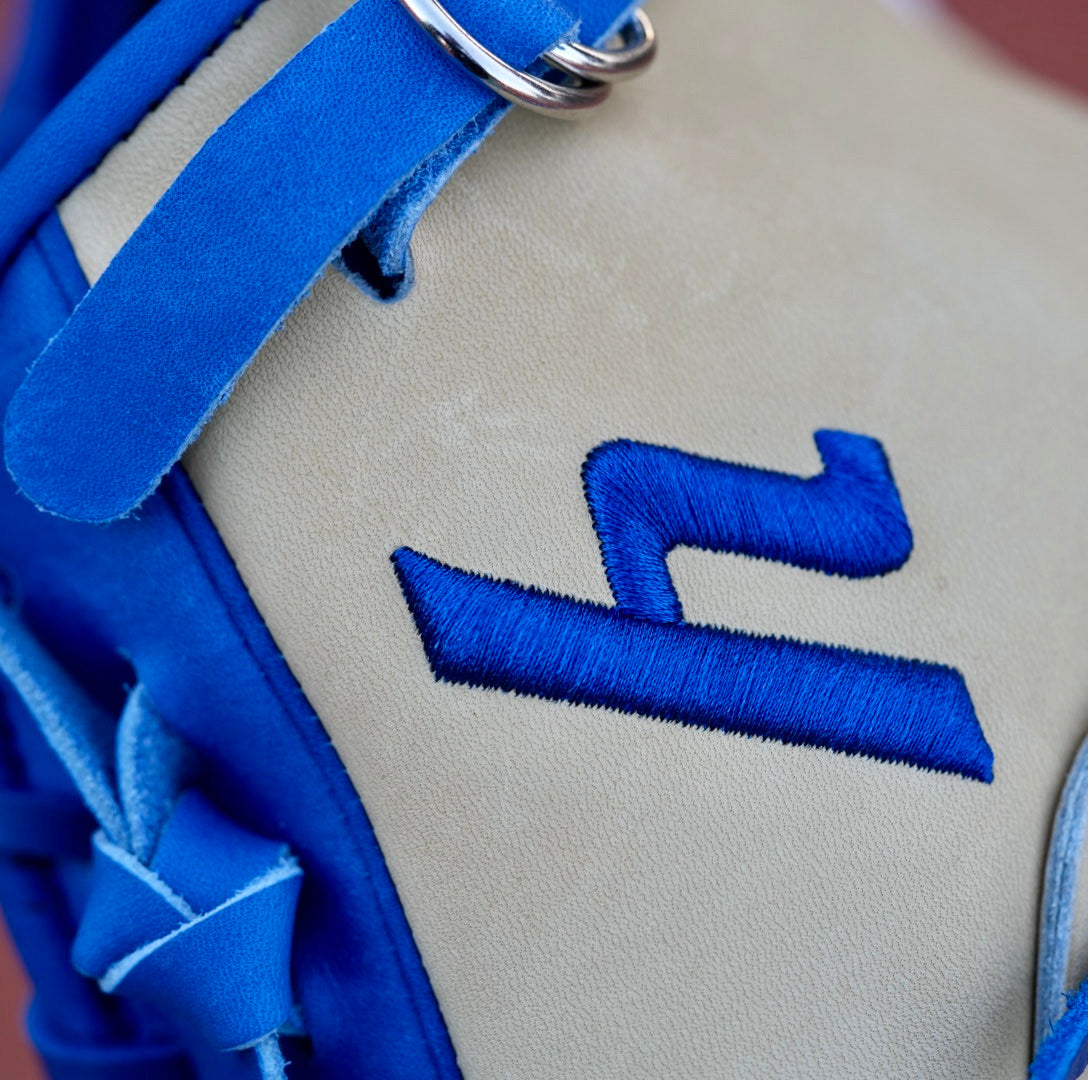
[806,215]
[106,208]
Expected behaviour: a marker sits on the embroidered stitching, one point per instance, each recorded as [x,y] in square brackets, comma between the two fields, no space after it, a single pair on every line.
[641,657]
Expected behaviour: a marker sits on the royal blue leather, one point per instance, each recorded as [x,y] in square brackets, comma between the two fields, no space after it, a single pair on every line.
[253,220]
[63,38]
[215,959]
[157,600]
[187,911]
[103,107]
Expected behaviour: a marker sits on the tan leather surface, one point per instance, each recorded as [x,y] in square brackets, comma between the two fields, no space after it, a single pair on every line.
[108,205]
[805,216]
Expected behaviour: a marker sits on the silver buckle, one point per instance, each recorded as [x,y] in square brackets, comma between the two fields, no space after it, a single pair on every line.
[594,70]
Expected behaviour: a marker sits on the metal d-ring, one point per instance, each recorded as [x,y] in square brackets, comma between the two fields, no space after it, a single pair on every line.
[609,65]
[595,69]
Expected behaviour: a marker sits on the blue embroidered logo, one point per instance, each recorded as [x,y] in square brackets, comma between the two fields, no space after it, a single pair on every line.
[642,657]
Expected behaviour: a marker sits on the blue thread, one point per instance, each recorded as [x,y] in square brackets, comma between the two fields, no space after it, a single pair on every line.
[647,500]
[502,636]
[641,658]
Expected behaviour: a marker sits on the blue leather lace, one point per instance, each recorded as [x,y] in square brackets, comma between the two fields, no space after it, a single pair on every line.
[213,953]
[187,910]
[1061,1019]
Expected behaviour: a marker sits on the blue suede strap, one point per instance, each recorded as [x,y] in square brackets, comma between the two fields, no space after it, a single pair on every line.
[270,200]
[159,595]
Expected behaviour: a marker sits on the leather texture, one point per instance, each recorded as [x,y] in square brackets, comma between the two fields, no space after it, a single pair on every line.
[159,342]
[98,613]
[803,216]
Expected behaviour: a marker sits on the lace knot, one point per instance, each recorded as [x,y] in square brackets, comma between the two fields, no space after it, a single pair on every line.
[202,930]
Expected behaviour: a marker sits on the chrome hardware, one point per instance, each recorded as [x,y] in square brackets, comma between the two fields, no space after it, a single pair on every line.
[594,70]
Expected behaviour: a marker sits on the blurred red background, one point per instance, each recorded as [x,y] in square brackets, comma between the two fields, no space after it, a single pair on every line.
[19,1062]
[1050,37]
